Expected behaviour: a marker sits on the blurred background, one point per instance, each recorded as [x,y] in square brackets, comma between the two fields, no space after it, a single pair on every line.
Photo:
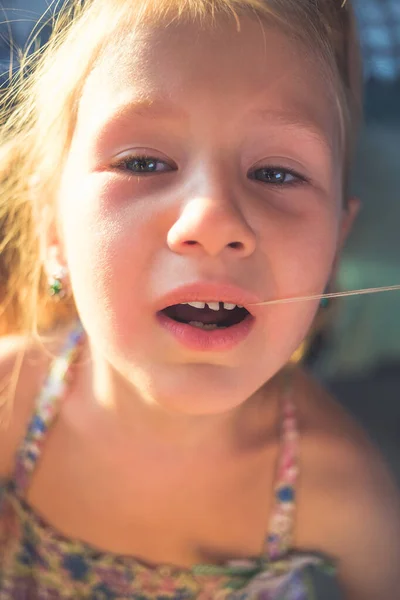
[357,351]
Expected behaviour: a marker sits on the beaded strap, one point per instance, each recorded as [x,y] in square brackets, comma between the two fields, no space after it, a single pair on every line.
[46,409]
[279,538]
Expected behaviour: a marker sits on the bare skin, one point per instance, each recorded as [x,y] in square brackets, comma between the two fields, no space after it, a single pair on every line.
[347,503]
[161,443]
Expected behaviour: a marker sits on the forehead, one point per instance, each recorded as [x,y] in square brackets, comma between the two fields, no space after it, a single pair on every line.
[187,71]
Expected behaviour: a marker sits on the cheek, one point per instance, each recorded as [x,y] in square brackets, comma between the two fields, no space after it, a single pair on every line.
[307,247]
[300,252]
[108,250]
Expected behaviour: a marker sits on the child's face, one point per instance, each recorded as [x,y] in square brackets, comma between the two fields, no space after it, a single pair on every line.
[232,174]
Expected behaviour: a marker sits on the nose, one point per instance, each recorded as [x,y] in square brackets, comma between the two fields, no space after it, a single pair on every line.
[211,224]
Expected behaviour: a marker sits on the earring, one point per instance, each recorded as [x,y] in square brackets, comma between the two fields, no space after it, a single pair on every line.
[324,303]
[57,283]
[57,273]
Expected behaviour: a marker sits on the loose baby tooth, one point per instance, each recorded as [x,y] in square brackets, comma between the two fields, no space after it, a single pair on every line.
[197,304]
[213,305]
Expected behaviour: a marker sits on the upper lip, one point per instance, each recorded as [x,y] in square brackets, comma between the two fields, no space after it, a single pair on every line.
[209,292]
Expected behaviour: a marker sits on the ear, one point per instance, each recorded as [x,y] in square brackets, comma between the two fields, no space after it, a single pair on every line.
[50,247]
[349,215]
[47,235]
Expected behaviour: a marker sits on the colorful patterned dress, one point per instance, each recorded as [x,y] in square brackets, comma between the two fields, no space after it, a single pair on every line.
[39,563]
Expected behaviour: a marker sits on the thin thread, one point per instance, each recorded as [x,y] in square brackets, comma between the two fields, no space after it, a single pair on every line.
[361,292]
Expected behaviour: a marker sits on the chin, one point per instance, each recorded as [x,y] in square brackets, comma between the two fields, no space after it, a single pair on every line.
[198,390]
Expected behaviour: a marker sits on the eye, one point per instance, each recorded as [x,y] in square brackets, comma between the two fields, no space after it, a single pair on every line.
[278,176]
[143,165]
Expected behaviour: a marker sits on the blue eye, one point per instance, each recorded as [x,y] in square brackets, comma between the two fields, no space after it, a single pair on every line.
[143,165]
[277,176]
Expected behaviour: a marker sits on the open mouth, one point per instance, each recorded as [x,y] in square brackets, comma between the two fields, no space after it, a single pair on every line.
[207,315]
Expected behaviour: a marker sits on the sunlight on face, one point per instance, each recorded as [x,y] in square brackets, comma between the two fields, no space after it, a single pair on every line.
[201,156]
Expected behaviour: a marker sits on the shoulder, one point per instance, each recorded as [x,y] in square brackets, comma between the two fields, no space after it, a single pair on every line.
[352,506]
[24,364]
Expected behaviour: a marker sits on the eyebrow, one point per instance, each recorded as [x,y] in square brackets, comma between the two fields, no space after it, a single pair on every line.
[148,107]
[160,108]
[301,124]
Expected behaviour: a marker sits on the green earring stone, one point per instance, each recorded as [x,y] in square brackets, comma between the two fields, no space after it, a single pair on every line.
[56,288]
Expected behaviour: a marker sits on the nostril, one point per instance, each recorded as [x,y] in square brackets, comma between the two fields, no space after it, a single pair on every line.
[191,242]
[236,245]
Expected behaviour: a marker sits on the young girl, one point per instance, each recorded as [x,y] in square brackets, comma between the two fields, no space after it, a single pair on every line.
[168,166]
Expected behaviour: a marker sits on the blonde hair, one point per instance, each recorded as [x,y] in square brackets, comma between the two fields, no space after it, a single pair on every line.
[39,110]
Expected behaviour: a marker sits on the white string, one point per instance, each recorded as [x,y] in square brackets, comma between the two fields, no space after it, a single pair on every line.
[361,292]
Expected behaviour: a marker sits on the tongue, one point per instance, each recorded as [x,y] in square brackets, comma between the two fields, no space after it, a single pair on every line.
[186,313]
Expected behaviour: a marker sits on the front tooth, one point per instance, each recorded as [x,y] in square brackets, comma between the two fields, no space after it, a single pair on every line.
[197,304]
[213,305]
[229,306]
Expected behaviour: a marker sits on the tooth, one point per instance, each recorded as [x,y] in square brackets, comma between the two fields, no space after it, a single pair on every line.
[206,326]
[197,304]
[229,306]
[213,305]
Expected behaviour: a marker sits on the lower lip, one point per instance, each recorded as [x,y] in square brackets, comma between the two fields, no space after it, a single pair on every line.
[214,340]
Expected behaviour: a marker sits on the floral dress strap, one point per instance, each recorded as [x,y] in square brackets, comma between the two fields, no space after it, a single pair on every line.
[280,534]
[46,408]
